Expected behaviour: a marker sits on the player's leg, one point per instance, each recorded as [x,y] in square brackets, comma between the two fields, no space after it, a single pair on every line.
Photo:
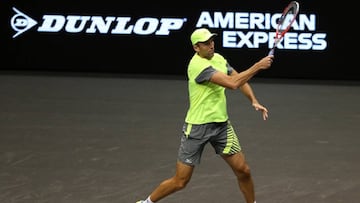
[190,151]
[177,182]
[227,144]
[241,169]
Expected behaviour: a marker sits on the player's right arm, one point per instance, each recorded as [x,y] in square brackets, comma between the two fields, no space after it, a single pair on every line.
[235,79]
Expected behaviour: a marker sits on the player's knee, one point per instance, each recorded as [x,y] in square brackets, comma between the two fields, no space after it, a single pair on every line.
[181,184]
[243,171]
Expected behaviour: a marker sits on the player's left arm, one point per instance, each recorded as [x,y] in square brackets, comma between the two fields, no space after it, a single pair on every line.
[249,93]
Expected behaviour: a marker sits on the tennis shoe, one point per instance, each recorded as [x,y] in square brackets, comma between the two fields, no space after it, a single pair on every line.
[141,201]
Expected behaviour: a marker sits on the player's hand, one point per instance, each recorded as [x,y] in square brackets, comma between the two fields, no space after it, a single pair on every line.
[266,62]
[259,107]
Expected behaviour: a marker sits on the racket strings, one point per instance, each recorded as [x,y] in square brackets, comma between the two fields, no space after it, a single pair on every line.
[287,18]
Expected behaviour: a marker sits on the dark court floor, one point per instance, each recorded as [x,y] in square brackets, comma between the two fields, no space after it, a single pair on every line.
[72,138]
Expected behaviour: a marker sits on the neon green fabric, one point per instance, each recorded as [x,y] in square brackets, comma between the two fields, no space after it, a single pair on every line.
[201,35]
[207,100]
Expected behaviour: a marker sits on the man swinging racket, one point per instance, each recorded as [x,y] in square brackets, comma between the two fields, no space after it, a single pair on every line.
[207,121]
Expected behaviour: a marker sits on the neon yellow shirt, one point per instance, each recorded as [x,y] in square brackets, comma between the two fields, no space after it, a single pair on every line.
[207,100]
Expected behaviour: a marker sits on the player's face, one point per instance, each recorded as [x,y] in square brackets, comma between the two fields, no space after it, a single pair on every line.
[206,49]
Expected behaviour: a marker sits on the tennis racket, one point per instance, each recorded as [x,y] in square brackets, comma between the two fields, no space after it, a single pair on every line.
[284,23]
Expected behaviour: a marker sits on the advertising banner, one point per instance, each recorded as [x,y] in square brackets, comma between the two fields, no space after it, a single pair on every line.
[136,37]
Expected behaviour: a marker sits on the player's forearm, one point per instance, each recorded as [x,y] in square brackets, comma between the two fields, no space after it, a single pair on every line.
[248,92]
[244,76]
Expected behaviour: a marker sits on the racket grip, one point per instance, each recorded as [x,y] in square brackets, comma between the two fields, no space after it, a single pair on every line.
[271,52]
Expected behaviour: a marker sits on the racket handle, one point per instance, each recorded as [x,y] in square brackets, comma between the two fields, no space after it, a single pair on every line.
[271,52]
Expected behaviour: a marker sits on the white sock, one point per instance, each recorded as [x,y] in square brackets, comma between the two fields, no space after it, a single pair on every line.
[148,200]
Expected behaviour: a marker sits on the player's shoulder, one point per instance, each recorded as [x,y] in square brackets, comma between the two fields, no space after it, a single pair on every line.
[218,57]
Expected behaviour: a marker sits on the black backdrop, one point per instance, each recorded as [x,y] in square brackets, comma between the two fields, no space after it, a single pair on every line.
[168,55]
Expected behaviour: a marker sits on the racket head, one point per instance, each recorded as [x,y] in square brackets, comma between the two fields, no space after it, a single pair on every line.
[284,23]
[287,18]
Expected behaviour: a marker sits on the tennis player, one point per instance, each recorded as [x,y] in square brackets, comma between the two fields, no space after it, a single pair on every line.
[207,121]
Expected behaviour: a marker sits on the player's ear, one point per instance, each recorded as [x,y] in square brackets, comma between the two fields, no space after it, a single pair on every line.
[196,47]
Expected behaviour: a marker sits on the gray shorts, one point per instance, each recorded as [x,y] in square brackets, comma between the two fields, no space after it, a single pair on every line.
[221,136]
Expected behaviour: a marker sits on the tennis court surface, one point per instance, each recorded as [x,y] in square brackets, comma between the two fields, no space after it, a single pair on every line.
[97,138]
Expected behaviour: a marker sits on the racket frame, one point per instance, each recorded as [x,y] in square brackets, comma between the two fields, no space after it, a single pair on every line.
[279,34]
